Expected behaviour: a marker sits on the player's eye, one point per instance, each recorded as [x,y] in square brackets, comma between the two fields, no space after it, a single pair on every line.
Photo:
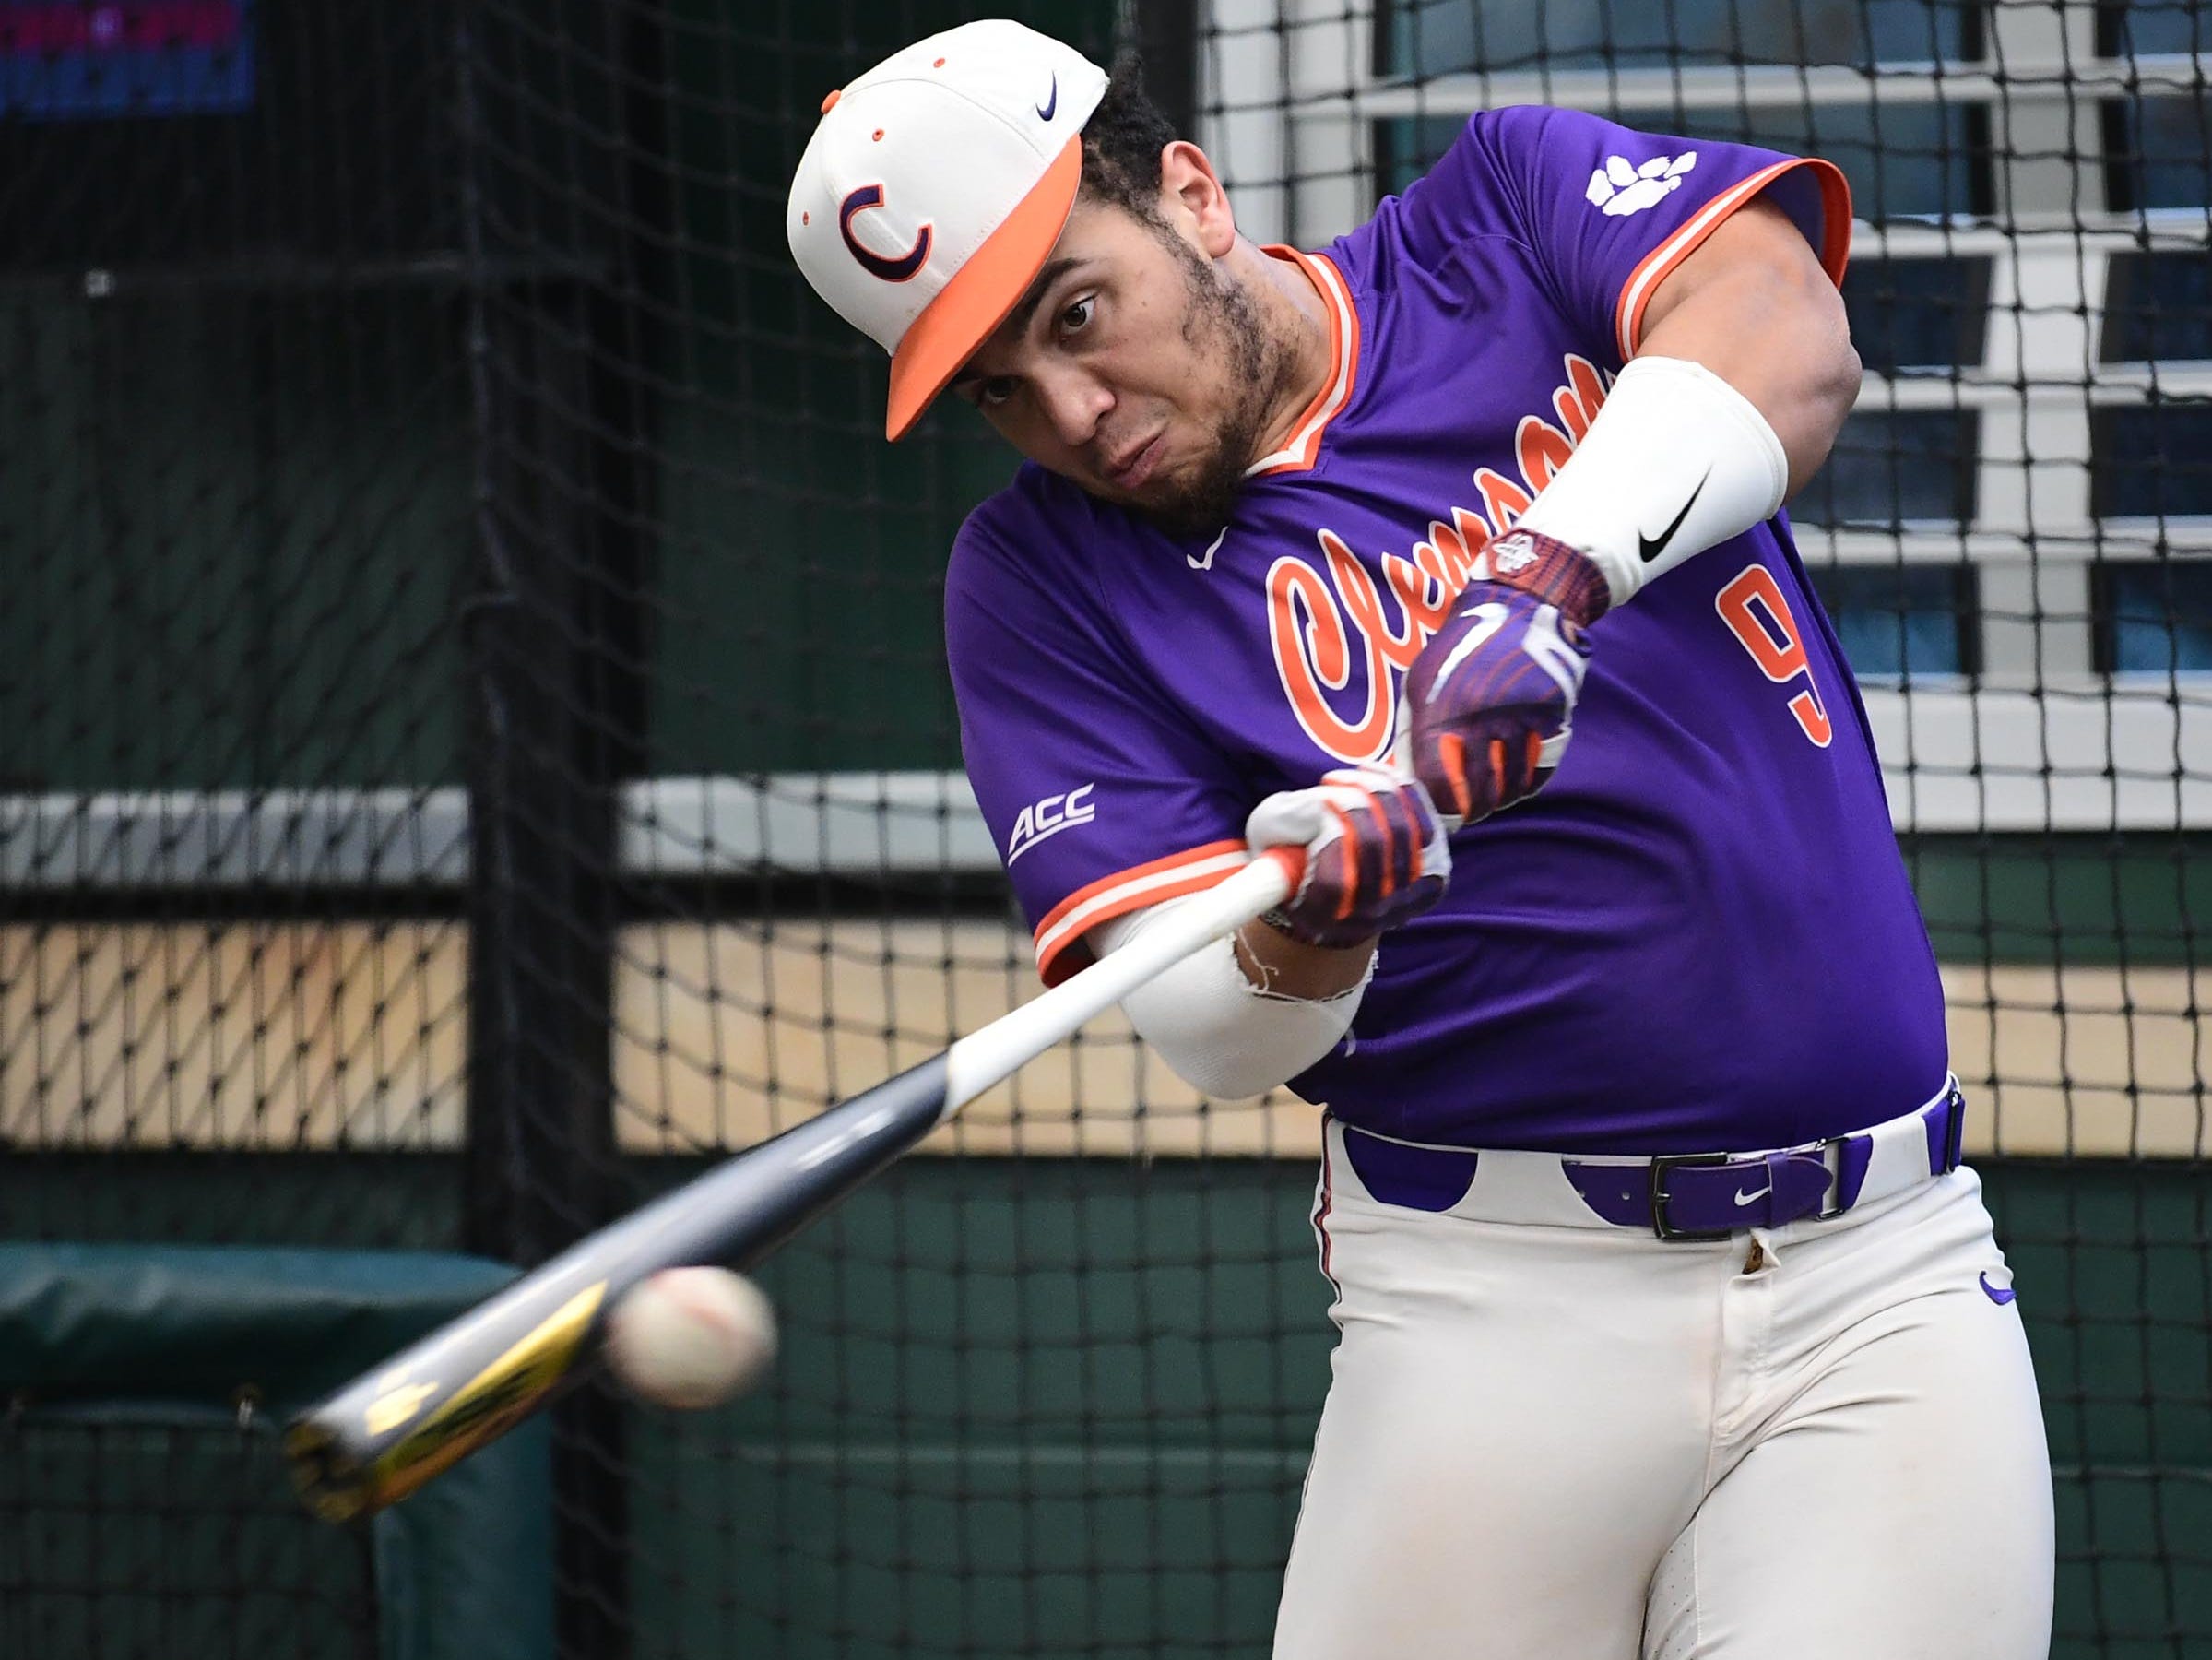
[1076,315]
[994,390]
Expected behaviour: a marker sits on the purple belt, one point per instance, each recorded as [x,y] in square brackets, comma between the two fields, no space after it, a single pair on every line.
[1679,1195]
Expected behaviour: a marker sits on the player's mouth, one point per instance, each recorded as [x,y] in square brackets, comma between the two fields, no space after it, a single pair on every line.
[1133,466]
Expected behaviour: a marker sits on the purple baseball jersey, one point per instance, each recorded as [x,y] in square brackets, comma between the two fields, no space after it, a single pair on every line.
[1699,935]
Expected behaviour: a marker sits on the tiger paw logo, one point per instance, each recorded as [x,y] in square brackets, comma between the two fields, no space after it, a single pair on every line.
[1620,188]
[1512,554]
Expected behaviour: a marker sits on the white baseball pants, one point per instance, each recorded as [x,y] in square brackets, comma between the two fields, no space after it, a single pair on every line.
[1818,1441]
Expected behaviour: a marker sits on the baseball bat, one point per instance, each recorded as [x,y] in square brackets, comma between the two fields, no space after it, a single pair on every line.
[380,1437]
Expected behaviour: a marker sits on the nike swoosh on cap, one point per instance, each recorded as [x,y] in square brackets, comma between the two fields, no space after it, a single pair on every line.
[2000,1295]
[1052,99]
[1653,547]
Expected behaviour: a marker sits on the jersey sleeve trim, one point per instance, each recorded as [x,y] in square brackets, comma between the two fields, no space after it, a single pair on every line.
[1060,935]
[1303,445]
[1643,282]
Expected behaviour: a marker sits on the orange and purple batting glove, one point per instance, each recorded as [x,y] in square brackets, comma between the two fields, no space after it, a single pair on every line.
[1490,700]
[1375,853]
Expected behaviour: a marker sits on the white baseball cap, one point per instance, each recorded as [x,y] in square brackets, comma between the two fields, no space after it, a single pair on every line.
[933,190]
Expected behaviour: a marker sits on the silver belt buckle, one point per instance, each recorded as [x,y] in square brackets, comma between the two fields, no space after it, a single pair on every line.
[1831,1157]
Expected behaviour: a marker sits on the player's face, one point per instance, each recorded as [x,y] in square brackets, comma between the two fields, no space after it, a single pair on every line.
[1136,367]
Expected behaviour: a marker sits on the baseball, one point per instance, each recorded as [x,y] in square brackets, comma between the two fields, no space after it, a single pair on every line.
[690,1337]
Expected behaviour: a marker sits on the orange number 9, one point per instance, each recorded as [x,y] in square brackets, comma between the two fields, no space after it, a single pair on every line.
[1759,615]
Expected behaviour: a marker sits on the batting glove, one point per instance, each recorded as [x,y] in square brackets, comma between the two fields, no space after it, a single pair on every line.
[1490,700]
[1375,853]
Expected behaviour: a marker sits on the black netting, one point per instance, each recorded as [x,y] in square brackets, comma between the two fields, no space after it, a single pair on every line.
[143,1537]
[477,743]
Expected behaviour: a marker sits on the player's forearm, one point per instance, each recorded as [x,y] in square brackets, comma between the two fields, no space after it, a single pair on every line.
[1225,1033]
[1275,962]
[1776,333]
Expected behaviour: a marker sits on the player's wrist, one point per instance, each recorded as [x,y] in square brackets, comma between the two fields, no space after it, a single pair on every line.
[1553,571]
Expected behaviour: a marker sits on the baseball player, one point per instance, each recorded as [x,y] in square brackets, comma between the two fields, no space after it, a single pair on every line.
[1669,1323]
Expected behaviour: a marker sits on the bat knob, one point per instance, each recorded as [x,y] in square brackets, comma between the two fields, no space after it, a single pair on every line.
[327,1481]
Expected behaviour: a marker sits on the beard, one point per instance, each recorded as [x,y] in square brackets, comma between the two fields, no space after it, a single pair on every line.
[1223,328]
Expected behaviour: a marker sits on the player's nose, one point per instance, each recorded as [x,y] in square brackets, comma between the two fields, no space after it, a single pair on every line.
[1074,402]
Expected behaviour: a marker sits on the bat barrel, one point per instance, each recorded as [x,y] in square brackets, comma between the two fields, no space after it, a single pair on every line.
[384,1434]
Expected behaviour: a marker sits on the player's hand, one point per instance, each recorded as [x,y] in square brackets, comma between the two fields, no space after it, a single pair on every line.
[1375,853]
[1490,700]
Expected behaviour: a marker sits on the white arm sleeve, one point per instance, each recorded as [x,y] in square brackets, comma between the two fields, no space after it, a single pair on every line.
[1676,461]
[1217,1031]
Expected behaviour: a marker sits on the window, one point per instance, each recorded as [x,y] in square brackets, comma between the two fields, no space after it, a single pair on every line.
[2134,29]
[2156,153]
[1890,468]
[1426,37]
[2152,460]
[1900,621]
[2157,306]
[1912,162]
[2153,616]
[1917,314]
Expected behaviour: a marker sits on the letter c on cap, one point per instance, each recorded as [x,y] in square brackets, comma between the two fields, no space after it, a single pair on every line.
[875,264]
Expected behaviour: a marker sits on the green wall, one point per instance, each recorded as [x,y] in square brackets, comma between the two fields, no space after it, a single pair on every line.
[2122,897]
[207,589]
[237,508]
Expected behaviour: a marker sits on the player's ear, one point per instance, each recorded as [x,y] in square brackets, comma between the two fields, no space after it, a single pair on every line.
[1191,191]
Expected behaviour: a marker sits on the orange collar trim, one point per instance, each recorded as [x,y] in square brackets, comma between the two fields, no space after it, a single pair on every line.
[1303,445]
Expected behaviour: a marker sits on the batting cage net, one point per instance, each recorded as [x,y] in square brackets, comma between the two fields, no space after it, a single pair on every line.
[476,745]
[121,1539]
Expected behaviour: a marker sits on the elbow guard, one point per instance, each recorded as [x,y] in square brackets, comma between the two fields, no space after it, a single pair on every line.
[1218,1032]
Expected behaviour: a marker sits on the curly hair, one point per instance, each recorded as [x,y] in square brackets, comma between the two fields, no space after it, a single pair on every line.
[1122,142]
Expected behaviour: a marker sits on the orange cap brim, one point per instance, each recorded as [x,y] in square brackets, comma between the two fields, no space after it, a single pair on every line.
[983,293]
